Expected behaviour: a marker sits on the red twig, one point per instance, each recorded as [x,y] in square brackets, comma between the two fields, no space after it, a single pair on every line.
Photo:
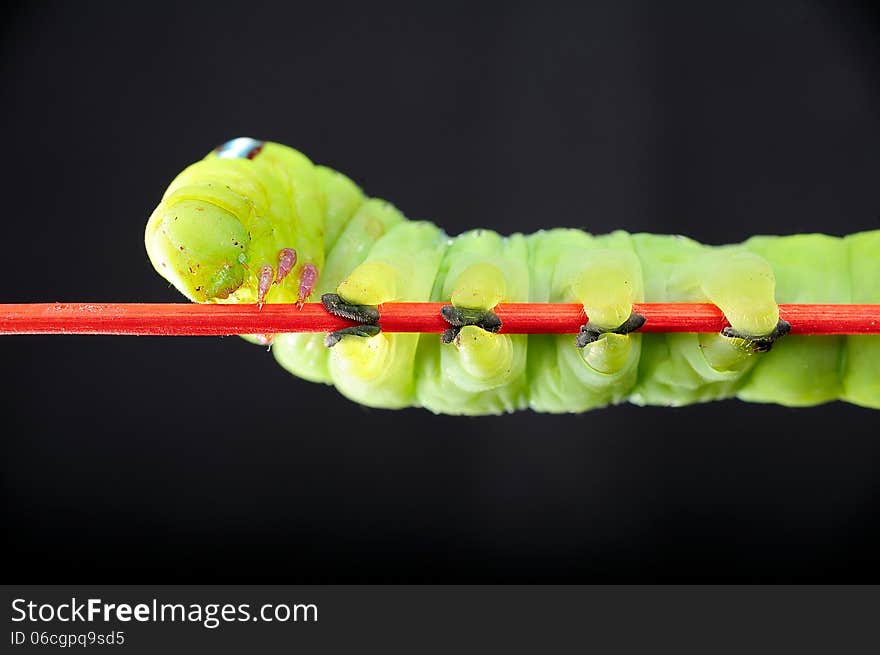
[517,318]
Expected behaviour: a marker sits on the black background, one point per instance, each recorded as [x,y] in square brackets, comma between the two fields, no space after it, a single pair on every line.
[180,460]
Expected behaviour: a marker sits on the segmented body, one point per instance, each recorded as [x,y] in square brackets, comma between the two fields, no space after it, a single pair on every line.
[369,253]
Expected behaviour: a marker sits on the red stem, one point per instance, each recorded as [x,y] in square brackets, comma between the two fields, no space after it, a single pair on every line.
[517,318]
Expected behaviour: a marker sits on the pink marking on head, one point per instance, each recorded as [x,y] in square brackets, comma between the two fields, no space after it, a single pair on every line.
[286,262]
[264,281]
[308,278]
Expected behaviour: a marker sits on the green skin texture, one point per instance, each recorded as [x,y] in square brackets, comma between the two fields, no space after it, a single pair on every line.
[221,219]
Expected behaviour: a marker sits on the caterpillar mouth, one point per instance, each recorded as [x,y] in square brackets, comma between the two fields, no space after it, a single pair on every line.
[198,247]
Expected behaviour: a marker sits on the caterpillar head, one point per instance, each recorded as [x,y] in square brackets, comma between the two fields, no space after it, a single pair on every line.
[199,246]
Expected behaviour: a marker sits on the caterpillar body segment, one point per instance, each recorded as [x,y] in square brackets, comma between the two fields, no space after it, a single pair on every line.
[258,222]
[563,377]
[479,371]
[360,225]
[401,266]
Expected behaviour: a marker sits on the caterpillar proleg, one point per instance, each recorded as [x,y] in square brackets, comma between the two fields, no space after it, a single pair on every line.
[257,222]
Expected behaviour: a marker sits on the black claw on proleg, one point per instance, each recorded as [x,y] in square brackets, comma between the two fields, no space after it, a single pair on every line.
[448,336]
[459,317]
[358,313]
[335,337]
[760,344]
[490,322]
[633,323]
[588,334]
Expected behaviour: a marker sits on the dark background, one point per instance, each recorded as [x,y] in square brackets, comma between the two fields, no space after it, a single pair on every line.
[180,460]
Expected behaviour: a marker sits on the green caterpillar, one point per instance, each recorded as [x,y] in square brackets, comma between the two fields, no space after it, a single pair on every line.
[258,222]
